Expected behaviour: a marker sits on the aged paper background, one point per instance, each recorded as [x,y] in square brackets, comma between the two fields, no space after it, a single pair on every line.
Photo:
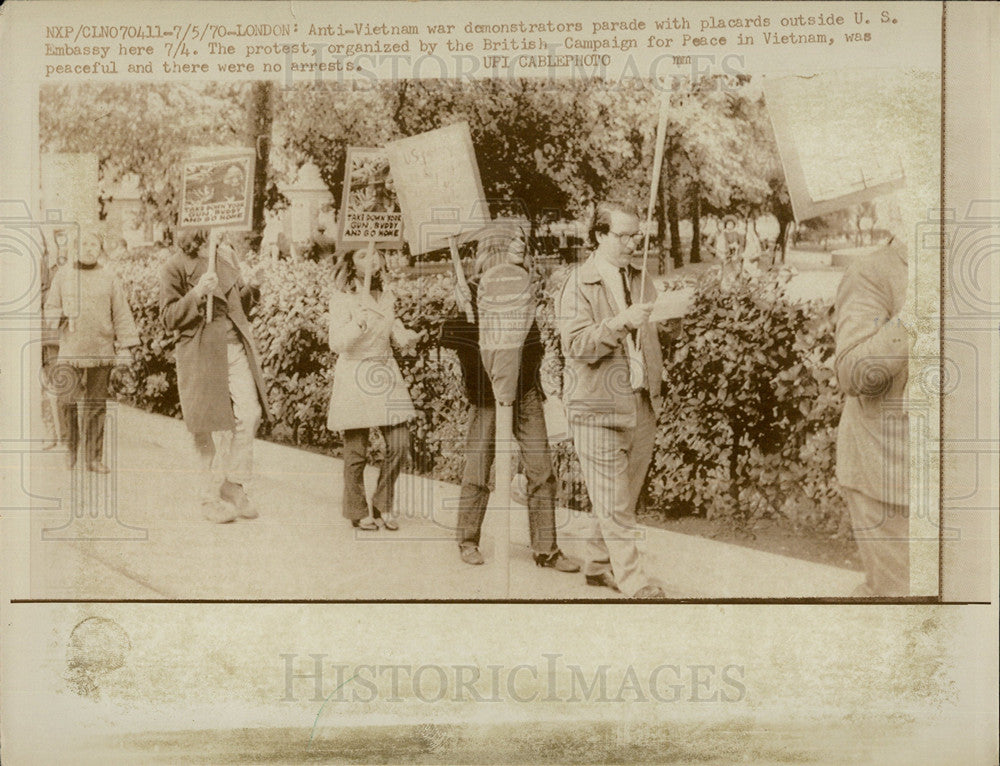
[714,683]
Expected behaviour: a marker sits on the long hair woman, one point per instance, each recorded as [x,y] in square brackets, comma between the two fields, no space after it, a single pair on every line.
[368,388]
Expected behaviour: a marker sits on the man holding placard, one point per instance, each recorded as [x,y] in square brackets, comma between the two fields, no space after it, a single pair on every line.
[218,373]
[612,394]
[501,253]
[205,302]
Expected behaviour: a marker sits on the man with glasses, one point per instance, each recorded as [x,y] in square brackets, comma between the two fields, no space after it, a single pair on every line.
[612,394]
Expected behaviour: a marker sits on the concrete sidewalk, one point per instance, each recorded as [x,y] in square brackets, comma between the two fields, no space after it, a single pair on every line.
[138,534]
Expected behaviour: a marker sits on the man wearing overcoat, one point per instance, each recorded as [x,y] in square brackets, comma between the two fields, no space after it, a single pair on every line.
[218,374]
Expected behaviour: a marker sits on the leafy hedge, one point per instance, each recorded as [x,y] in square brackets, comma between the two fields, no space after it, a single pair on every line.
[750,406]
[749,423]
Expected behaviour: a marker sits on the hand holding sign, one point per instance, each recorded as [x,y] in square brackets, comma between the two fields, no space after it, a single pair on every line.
[217,192]
[206,284]
[634,317]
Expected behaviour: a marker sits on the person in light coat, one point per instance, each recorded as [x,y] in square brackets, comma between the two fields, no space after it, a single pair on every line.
[872,355]
[612,391]
[368,388]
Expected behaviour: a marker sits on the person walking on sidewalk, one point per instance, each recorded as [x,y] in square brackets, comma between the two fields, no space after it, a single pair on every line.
[218,373]
[52,412]
[87,306]
[872,352]
[612,393]
[368,388]
[529,426]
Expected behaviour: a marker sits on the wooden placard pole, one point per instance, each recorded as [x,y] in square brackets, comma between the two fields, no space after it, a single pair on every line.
[661,134]
[213,243]
[368,269]
[463,285]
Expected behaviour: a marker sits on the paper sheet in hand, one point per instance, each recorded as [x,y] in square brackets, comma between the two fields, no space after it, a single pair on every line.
[672,304]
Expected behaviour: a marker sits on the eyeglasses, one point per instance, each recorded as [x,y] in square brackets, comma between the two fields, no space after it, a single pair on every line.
[627,237]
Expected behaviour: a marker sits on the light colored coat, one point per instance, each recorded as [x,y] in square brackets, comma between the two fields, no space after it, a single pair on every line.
[872,355]
[368,388]
[596,387]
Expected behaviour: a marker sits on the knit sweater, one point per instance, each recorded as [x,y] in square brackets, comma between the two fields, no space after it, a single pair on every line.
[90,311]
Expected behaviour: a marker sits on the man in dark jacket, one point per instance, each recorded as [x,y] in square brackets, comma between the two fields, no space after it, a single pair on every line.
[529,430]
[218,374]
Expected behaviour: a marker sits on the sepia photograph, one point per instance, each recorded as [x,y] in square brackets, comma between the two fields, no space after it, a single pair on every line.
[545,339]
[498,383]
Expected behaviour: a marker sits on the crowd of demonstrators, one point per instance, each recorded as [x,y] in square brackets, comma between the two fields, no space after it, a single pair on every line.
[611,389]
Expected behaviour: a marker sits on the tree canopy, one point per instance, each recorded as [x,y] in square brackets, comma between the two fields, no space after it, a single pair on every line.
[546,149]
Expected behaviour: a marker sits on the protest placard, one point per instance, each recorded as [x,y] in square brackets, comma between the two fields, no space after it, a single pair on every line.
[369,210]
[830,154]
[440,191]
[217,190]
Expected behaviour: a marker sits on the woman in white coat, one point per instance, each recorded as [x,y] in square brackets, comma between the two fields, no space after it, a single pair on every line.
[368,388]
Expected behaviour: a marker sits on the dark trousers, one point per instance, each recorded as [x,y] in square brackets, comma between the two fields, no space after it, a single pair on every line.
[84,408]
[397,447]
[480,449]
[52,408]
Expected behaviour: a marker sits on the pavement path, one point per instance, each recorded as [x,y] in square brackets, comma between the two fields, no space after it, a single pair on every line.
[138,534]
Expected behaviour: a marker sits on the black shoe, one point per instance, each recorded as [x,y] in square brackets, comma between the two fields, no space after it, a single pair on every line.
[556,560]
[603,579]
[98,467]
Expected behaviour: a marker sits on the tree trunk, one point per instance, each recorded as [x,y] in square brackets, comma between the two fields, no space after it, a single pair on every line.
[260,115]
[696,225]
[670,212]
[676,254]
[781,243]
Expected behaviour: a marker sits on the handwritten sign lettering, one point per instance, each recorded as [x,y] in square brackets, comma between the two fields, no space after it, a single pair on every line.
[217,190]
[440,191]
[369,210]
